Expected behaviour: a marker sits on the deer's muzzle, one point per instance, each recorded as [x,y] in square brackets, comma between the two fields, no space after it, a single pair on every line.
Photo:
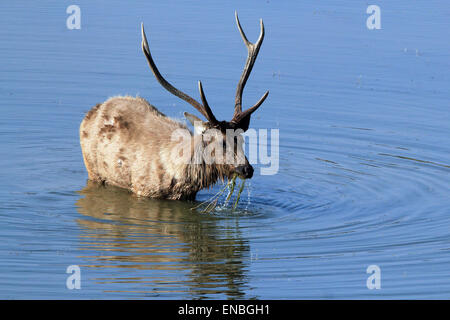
[245,171]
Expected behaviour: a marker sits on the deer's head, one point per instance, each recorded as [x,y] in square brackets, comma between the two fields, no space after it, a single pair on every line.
[224,134]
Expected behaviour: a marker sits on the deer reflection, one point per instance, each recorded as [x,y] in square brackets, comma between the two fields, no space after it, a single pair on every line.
[162,235]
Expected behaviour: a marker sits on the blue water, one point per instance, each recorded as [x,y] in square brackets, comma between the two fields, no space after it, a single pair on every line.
[364,119]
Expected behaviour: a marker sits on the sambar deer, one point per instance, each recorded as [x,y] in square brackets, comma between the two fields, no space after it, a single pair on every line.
[128,143]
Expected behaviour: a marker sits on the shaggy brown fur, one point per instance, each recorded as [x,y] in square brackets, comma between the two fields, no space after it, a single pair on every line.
[127,142]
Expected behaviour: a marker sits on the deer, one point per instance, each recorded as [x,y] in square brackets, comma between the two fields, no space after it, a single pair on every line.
[128,143]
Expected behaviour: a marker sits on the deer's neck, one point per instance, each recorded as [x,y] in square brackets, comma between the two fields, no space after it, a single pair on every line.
[200,173]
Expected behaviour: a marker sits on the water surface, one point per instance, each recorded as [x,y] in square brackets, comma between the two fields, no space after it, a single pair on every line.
[364,154]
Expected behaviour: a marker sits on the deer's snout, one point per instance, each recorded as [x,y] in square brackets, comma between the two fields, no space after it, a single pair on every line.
[245,171]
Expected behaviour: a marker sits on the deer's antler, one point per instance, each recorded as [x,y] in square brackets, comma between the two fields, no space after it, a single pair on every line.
[242,118]
[204,108]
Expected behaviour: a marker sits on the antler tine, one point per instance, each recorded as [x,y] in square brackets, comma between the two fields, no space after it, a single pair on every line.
[249,111]
[209,114]
[253,50]
[203,109]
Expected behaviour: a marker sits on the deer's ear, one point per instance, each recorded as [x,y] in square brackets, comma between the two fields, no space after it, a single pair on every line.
[199,125]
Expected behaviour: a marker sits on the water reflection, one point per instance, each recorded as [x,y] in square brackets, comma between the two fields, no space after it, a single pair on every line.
[158,240]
